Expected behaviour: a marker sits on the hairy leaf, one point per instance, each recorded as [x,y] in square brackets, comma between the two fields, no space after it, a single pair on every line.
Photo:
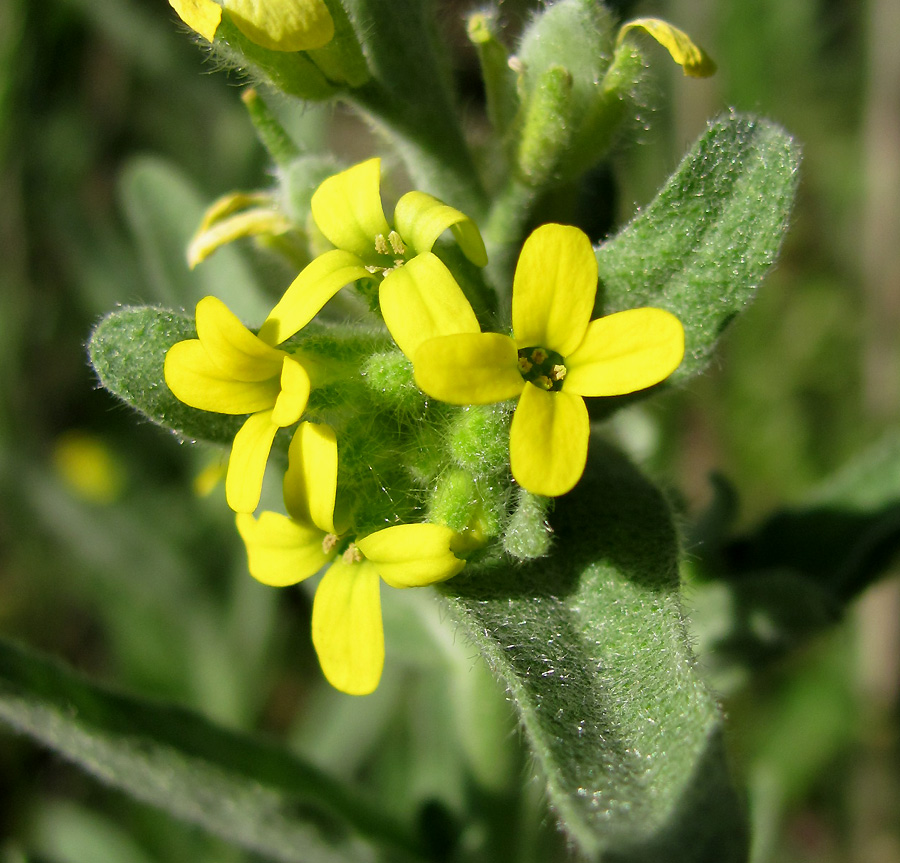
[128,352]
[246,791]
[704,244]
[591,643]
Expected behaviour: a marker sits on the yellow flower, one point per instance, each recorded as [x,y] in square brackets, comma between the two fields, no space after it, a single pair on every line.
[347,629]
[556,355]
[347,209]
[279,25]
[229,370]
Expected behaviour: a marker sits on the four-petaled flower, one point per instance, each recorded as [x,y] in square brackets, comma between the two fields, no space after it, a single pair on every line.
[555,356]
[228,370]
[347,629]
[347,209]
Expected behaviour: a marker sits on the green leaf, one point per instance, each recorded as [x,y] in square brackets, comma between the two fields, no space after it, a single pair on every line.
[774,587]
[843,537]
[128,352]
[246,791]
[591,644]
[704,244]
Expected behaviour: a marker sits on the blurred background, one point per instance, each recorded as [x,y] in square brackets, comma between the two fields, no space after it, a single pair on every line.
[118,554]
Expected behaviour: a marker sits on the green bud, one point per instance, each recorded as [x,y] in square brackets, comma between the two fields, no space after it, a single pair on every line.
[453,499]
[528,534]
[479,439]
[579,35]
[547,130]
[499,78]
[390,374]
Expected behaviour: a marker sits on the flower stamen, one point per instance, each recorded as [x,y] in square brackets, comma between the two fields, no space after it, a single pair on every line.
[542,367]
[381,245]
[352,554]
[397,245]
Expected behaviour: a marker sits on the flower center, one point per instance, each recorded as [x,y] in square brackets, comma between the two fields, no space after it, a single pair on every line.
[542,367]
[343,546]
[392,248]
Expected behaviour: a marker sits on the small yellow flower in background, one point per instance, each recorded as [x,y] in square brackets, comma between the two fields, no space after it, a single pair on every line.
[347,629]
[556,356]
[347,209]
[229,370]
[88,467]
[684,51]
[279,25]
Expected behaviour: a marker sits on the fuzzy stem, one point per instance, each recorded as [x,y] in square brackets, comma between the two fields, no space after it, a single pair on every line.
[275,139]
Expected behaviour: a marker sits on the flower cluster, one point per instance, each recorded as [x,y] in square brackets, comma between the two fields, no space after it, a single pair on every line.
[281,378]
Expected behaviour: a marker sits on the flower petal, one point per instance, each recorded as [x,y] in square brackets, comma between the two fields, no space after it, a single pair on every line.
[202,16]
[281,551]
[347,208]
[247,223]
[317,283]
[625,352]
[347,631]
[420,219]
[283,25]
[554,289]
[294,395]
[247,464]
[690,56]
[469,368]
[421,300]
[197,381]
[412,555]
[231,346]
[548,441]
[310,483]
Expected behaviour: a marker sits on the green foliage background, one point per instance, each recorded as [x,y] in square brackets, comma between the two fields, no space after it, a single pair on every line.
[108,121]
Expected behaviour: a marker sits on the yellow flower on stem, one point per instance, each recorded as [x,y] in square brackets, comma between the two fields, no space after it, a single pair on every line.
[228,370]
[279,25]
[347,209]
[556,356]
[347,629]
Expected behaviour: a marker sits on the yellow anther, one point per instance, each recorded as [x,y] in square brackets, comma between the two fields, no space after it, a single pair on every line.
[397,244]
[353,554]
[538,356]
[524,365]
[543,382]
[558,372]
[329,542]
[381,245]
